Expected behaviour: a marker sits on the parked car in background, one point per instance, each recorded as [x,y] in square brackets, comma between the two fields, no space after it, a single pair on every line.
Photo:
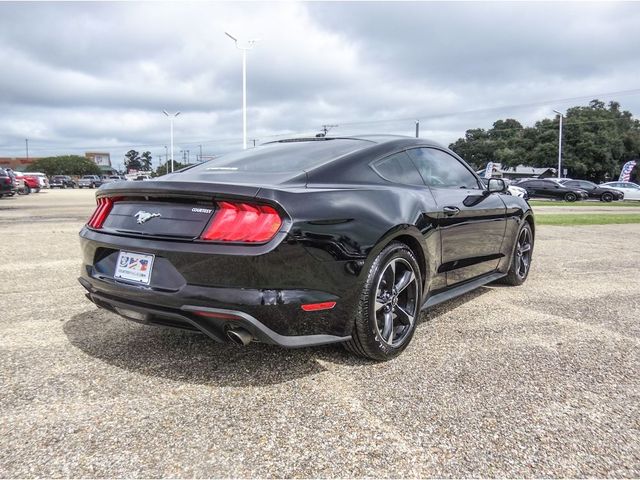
[605,194]
[30,183]
[42,179]
[62,181]
[7,184]
[112,178]
[90,181]
[543,188]
[142,178]
[631,190]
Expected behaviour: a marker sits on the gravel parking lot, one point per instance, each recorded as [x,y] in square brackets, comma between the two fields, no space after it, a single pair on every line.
[540,380]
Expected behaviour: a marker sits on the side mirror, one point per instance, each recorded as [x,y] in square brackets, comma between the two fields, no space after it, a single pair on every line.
[496,185]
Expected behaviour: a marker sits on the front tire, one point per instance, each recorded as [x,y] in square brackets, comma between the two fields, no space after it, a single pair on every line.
[607,197]
[389,305]
[521,260]
[570,197]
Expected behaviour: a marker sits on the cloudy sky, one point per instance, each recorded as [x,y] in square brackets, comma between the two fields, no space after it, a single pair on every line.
[96,76]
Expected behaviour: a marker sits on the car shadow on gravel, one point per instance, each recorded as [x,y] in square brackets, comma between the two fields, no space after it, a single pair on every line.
[192,357]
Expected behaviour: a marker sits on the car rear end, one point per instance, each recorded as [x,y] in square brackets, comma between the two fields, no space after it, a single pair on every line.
[211,257]
[7,185]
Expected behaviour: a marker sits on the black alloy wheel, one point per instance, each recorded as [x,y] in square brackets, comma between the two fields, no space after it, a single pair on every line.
[570,197]
[389,306]
[607,197]
[521,261]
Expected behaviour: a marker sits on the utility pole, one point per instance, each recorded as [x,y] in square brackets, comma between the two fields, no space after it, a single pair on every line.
[200,152]
[243,46]
[417,128]
[26,142]
[560,145]
[166,154]
[188,157]
[254,140]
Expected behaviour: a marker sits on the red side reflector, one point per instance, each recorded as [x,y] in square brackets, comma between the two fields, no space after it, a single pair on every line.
[312,307]
[243,222]
[101,213]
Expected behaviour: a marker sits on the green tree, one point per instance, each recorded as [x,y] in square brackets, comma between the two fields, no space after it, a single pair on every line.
[132,161]
[64,165]
[597,140]
[146,159]
[166,168]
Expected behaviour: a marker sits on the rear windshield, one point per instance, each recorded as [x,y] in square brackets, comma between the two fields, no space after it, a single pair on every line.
[290,156]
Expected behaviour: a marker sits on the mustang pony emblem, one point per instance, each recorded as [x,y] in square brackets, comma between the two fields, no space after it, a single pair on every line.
[143,216]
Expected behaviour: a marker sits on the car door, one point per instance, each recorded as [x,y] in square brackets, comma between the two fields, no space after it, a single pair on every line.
[631,191]
[399,168]
[590,188]
[471,222]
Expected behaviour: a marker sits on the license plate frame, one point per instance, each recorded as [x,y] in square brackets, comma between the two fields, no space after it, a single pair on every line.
[130,267]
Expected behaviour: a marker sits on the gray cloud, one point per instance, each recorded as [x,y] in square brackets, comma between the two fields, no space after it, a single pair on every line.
[82,76]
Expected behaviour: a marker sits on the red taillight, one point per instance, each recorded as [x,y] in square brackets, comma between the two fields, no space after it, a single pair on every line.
[101,213]
[243,222]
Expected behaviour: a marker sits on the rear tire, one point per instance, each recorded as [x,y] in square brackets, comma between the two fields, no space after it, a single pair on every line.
[570,197]
[389,305]
[521,259]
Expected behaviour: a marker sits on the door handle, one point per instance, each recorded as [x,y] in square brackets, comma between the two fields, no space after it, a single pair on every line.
[451,211]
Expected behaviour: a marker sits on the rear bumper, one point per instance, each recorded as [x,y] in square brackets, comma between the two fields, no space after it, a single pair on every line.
[197,287]
[213,322]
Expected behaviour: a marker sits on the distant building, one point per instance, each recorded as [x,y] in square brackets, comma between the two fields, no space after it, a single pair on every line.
[105,170]
[19,164]
[99,158]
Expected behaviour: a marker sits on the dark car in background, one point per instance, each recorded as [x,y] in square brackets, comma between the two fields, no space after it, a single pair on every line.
[305,242]
[62,181]
[543,188]
[7,184]
[90,181]
[600,192]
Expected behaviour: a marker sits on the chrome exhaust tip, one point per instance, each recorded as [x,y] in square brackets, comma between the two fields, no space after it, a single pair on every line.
[239,336]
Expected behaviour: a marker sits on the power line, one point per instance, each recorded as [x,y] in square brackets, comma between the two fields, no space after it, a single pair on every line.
[619,93]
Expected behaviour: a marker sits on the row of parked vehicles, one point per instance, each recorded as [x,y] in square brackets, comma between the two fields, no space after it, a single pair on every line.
[19,183]
[571,190]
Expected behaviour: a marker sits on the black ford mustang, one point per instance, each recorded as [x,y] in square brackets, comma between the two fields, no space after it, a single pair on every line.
[305,242]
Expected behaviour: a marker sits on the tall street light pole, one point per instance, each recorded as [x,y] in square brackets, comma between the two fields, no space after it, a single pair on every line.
[560,145]
[243,46]
[26,143]
[171,118]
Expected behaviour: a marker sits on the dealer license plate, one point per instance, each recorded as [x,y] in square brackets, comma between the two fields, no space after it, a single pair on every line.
[135,267]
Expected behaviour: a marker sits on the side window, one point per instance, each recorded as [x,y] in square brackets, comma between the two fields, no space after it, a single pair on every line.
[398,168]
[441,170]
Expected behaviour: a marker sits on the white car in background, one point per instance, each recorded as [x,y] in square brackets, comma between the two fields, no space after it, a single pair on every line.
[631,190]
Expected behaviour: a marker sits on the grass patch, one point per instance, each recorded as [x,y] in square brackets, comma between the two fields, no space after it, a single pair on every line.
[593,203]
[586,218]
